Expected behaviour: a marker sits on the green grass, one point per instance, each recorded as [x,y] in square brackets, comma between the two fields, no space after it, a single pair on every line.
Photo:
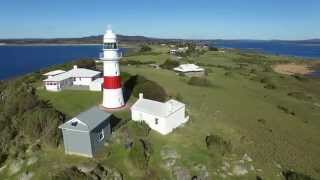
[71,102]
[230,108]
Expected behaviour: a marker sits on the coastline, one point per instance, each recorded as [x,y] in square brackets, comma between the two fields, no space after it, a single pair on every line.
[49,44]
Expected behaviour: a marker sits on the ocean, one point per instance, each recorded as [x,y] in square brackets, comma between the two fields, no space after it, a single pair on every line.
[307,50]
[19,60]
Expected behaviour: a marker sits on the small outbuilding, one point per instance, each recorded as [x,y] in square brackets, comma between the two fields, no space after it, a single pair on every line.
[86,133]
[190,70]
[161,117]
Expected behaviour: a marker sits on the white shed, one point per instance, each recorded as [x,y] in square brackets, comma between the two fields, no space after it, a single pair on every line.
[161,117]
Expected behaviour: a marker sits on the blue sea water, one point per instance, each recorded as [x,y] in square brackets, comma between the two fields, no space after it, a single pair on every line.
[306,50]
[18,60]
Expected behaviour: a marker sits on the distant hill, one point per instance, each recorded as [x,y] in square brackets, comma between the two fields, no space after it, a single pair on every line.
[92,40]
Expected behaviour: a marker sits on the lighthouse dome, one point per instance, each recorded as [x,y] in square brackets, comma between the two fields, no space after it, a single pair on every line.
[109,37]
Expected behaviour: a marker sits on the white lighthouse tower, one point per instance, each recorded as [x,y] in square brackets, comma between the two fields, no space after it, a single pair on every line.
[112,91]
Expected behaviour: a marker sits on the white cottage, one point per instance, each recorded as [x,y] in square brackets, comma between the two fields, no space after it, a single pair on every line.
[161,117]
[190,70]
[76,76]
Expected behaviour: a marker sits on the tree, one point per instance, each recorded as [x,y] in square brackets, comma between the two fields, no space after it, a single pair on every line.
[169,64]
[145,48]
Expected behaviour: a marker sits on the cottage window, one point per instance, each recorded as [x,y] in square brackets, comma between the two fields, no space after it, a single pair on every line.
[101,135]
[156,120]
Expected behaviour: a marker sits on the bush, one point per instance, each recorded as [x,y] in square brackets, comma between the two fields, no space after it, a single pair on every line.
[145,48]
[199,81]
[286,110]
[26,118]
[140,153]
[300,95]
[218,144]
[291,175]
[150,90]
[140,129]
[135,62]
[299,77]
[69,174]
[86,63]
[270,86]
[169,64]
[211,48]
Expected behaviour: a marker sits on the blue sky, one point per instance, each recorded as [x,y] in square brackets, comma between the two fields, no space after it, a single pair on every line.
[195,19]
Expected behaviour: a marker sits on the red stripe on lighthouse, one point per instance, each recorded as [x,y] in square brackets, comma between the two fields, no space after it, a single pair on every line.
[112,82]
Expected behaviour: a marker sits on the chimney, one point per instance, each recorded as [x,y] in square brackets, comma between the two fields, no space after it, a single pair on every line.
[75,67]
[140,95]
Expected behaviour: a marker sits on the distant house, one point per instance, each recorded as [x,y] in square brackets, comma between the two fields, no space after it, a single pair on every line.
[178,50]
[161,117]
[173,51]
[57,80]
[86,133]
[190,70]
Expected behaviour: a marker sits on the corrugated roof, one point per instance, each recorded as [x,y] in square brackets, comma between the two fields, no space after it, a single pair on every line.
[157,108]
[89,119]
[188,68]
[55,72]
[76,72]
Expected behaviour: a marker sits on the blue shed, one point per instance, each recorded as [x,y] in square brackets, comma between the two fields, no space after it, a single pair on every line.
[86,133]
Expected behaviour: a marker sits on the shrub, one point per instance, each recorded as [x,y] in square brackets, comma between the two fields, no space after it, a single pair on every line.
[265,80]
[86,63]
[291,175]
[145,48]
[228,73]
[140,153]
[169,64]
[286,110]
[299,77]
[300,95]
[140,129]
[218,144]
[199,81]
[270,86]
[211,48]
[150,90]
[69,173]
[135,62]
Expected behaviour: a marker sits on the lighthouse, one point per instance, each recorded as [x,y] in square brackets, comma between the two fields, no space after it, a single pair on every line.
[112,90]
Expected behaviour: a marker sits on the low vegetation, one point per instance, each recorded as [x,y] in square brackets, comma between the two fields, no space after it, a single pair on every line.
[218,144]
[145,48]
[26,119]
[140,153]
[150,89]
[170,64]
[199,81]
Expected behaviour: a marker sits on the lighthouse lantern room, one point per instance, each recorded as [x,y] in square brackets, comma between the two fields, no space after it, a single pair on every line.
[112,91]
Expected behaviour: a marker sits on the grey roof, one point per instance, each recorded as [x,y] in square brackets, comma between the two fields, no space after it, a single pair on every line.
[87,120]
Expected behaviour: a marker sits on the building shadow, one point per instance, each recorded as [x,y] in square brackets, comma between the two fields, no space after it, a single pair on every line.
[128,87]
[116,122]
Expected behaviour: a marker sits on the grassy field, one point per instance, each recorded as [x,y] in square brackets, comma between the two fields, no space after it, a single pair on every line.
[278,131]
